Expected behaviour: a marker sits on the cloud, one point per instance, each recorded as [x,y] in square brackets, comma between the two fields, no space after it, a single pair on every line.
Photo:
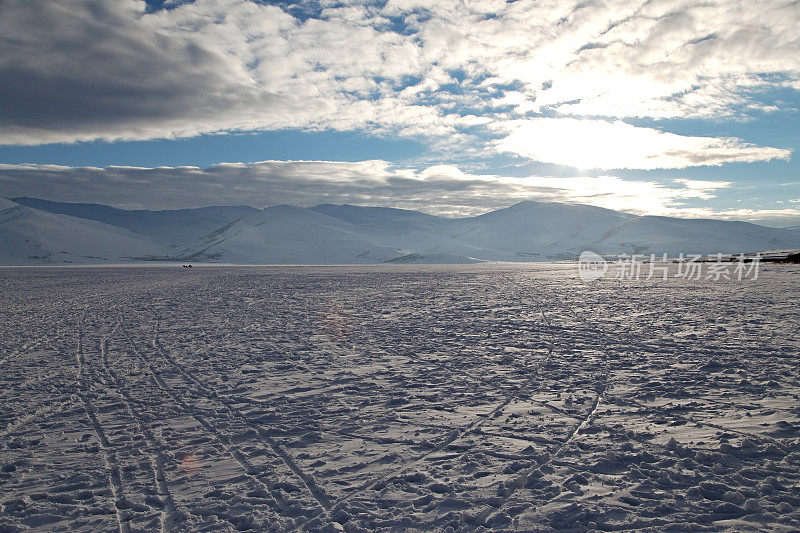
[599,144]
[440,189]
[703,189]
[82,70]
[79,70]
[634,196]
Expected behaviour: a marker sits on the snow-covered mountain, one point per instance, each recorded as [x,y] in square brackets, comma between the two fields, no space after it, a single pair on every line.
[652,234]
[538,230]
[32,236]
[412,234]
[286,234]
[344,234]
[527,231]
[167,227]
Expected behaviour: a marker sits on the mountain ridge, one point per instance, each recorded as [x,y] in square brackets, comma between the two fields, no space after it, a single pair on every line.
[31,236]
[168,226]
[351,234]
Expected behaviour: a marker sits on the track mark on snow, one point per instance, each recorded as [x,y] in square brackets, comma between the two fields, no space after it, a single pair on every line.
[208,425]
[111,465]
[170,517]
[308,480]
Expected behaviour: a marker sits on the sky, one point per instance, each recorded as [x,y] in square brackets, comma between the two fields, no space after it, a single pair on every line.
[454,107]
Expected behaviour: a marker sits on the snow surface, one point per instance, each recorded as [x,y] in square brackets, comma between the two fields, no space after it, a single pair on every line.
[31,236]
[363,398]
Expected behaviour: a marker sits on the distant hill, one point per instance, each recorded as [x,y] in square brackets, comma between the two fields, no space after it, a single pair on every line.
[652,234]
[527,231]
[348,234]
[31,236]
[167,227]
[288,234]
[538,231]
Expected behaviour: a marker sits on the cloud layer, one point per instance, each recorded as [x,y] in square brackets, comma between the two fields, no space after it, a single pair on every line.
[470,75]
[442,189]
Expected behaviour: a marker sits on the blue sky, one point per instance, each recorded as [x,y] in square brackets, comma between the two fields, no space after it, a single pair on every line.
[674,108]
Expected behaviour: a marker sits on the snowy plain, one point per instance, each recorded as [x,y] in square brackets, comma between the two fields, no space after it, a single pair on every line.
[397,397]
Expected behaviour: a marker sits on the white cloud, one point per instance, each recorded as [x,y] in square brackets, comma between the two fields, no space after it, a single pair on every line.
[703,189]
[633,196]
[607,145]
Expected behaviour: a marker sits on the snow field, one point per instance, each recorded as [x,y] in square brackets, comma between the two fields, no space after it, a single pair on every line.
[382,398]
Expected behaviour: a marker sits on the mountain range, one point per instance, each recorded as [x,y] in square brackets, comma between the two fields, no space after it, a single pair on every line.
[34,231]
[166,227]
[32,236]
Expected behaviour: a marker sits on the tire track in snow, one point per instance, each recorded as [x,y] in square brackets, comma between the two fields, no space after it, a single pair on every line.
[455,435]
[318,494]
[308,480]
[111,465]
[585,420]
[169,514]
[209,426]
[113,474]
[522,480]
